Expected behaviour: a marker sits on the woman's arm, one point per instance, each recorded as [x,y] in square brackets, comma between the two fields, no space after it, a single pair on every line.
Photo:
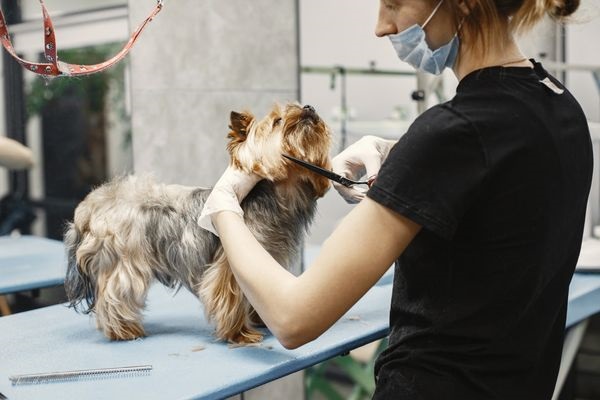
[14,155]
[299,309]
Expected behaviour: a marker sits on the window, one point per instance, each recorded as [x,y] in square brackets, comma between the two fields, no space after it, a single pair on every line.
[78,128]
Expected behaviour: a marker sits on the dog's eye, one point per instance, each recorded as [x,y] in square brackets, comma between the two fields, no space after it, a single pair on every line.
[276,121]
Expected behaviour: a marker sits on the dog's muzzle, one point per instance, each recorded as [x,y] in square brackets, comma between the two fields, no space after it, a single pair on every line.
[309,113]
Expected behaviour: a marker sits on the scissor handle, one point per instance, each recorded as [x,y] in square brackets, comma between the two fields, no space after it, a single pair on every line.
[349,182]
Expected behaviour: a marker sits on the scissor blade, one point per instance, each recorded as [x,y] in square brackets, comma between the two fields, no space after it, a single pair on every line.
[321,171]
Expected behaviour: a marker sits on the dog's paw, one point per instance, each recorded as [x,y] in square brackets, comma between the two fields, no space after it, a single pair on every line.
[124,332]
[245,336]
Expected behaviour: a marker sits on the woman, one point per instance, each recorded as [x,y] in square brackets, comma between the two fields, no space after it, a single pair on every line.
[481,203]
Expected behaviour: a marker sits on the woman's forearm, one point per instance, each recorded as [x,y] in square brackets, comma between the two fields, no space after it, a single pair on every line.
[299,309]
[267,285]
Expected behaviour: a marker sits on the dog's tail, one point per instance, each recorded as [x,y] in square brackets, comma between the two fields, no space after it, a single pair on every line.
[79,285]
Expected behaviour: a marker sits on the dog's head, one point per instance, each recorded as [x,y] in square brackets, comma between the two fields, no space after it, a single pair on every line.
[257,145]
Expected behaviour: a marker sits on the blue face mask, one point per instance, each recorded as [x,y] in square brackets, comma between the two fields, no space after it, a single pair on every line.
[411,47]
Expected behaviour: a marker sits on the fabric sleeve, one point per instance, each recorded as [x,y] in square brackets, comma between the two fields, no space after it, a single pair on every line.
[434,172]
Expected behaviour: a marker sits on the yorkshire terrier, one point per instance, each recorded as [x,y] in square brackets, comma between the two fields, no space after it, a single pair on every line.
[131,231]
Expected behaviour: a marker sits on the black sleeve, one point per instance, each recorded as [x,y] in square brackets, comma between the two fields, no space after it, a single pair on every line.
[433,173]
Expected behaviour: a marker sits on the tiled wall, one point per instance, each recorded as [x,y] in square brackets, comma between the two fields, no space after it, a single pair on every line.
[195,63]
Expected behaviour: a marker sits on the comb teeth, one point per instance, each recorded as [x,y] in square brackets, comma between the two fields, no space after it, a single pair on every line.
[85,374]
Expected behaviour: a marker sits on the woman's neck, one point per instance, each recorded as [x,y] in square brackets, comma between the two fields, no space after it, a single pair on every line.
[508,56]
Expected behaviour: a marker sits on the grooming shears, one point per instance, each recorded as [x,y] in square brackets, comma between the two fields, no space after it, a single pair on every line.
[329,174]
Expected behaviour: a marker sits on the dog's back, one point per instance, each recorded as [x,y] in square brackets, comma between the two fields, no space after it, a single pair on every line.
[150,227]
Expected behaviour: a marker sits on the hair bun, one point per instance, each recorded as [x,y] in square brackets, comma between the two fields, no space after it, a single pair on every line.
[559,9]
[508,7]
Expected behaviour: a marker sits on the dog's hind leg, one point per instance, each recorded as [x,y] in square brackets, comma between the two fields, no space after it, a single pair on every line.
[120,301]
[225,304]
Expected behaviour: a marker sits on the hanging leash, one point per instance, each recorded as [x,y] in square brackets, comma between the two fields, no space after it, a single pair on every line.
[54,67]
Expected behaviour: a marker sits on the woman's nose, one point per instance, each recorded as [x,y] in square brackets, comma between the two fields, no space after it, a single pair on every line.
[384,27]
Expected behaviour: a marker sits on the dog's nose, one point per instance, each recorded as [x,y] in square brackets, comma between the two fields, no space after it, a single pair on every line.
[309,108]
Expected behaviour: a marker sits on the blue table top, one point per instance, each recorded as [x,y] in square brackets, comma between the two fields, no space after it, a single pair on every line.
[584,297]
[30,262]
[187,362]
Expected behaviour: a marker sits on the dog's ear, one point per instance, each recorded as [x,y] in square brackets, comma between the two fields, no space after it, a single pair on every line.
[239,123]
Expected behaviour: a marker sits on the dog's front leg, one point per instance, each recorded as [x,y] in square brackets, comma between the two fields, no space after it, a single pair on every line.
[226,305]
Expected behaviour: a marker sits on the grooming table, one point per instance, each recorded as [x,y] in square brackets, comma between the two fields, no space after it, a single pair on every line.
[29,262]
[188,363]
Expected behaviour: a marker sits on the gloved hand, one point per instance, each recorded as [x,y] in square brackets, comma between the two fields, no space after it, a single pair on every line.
[227,194]
[362,158]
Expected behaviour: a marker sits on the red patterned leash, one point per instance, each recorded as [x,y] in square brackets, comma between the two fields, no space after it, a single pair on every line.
[54,67]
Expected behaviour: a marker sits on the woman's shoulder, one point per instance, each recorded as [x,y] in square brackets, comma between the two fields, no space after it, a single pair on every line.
[442,119]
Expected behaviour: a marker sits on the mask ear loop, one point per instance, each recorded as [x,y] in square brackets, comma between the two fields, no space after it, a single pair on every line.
[432,13]
[437,7]
[460,24]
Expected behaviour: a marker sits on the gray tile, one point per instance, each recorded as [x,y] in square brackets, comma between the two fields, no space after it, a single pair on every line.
[195,63]
[180,136]
[218,45]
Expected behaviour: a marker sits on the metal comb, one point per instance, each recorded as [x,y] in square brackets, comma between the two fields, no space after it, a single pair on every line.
[84,374]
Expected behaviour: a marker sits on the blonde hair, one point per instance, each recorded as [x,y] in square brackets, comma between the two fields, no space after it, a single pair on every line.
[490,21]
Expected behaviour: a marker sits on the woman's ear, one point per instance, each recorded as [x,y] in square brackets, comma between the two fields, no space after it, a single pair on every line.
[465,7]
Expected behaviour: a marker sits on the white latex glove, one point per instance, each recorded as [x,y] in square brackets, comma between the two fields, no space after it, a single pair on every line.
[229,191]
[362,158]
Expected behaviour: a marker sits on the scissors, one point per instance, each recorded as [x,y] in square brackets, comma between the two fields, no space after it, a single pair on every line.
[330,174]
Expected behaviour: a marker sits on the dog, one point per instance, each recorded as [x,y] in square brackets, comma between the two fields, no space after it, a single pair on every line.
[131,231]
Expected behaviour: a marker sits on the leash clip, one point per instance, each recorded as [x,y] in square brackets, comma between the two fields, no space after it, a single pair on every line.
[160,3]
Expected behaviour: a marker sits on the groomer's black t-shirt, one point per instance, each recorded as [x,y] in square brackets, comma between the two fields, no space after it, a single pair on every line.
[499,178]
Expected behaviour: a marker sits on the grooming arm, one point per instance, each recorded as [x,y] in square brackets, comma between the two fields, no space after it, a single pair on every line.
[299,309]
